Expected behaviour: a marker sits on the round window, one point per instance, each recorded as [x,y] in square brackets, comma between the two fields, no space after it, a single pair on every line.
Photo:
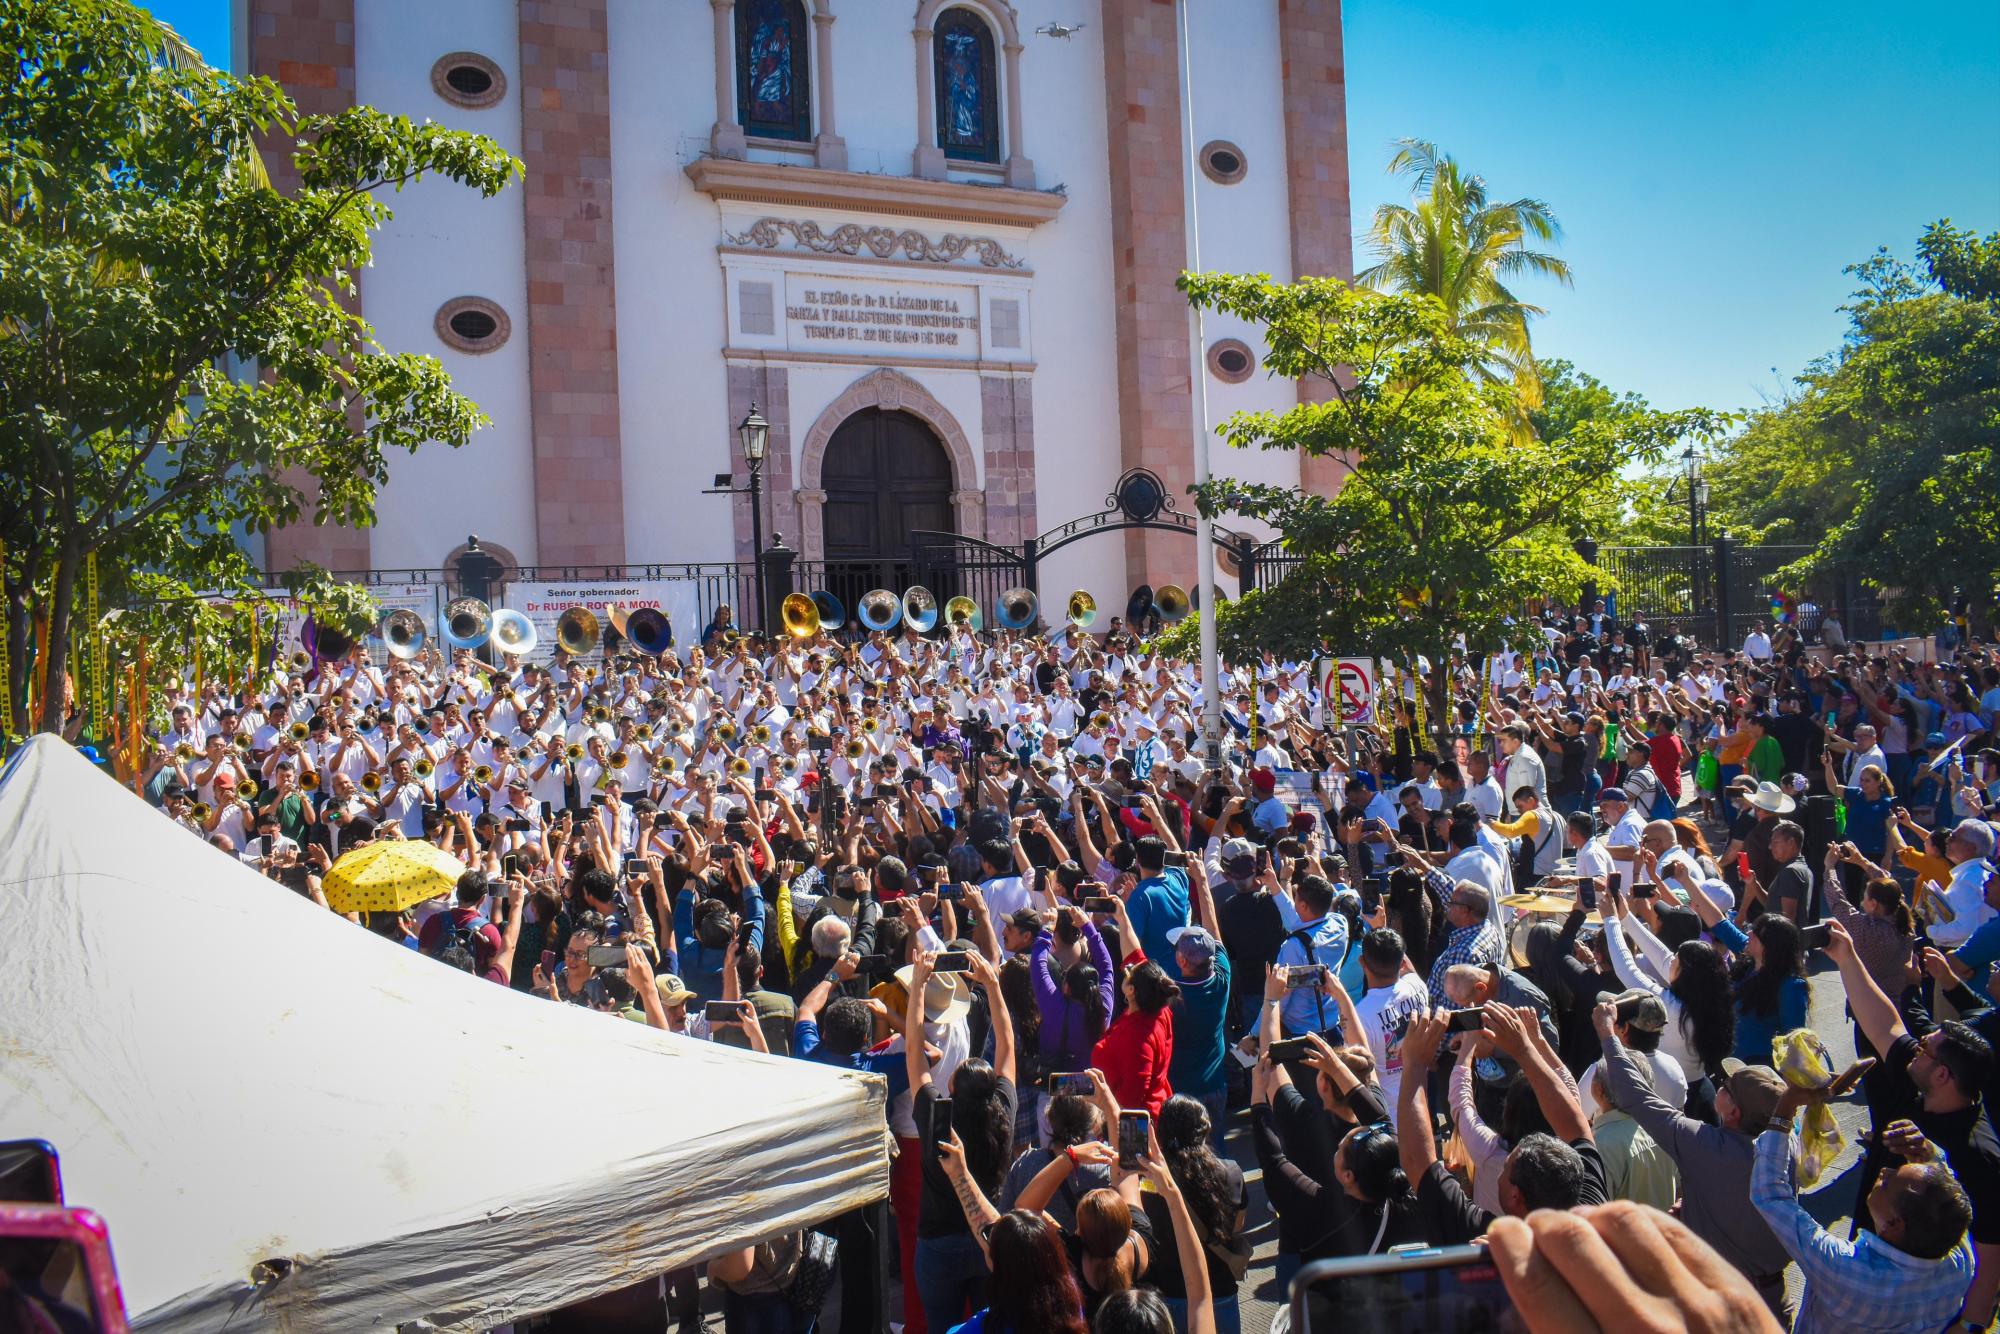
[468,79]
[472,324]
[1231,361]
[1223,162]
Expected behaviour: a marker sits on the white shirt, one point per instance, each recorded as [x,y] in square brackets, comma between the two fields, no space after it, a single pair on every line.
[1485,796]
[1593,861]
[1385,1014]
[1965,895]
[1668,1080]
[1757,645]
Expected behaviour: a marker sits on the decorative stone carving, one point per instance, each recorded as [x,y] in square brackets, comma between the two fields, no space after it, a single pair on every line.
[851,238]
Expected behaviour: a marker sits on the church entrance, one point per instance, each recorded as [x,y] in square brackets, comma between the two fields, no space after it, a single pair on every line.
[885,475]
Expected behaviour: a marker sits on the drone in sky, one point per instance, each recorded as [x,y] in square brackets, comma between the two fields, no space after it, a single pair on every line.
[1063,30]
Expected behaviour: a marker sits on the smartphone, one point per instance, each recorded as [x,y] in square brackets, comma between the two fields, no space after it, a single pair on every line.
[1617,881]
[606,956]
[510,866]
[875,963]
[44,1239]
[548,963]
[30,1173]
[948,889]
[518,826]
[1100,903]
[264,842]
[953,961]
[1466,1021]
[1134,1130]
[725,1012]
[1305,975]
[1816,937]
[1743,865]
[597,799]
[1406,1288]
[940,1126]
[767,794]
[1586,893]
[1288,1049]
[1076,1082]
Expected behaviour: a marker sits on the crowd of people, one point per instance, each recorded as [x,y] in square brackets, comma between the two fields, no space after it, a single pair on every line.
[1449,974]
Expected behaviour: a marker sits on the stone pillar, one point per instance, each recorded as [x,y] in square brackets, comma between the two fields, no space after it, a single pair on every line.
[1020,171]
[1149,250]
[308,47]
[829,149]
[1316,168]
[726,139]
[1007,430]
[929,159]
[572,284]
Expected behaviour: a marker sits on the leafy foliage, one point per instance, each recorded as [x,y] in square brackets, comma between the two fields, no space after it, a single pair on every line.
[1447,526]
[1884,460]
[144,263]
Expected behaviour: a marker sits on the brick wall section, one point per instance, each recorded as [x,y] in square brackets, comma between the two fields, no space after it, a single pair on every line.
[1316,168]
[1149,250]
[572,289]
[308,46]
[769,387]
[1007,427]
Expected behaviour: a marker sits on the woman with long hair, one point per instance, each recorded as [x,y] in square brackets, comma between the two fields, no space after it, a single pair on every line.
[1215,1195]
[1136,1050]
[1772,994]
[1021,1007]
[1073,1005]
[1882,927]
[1033,1288]
[950,1262]
[1701,1016]
[1688,834]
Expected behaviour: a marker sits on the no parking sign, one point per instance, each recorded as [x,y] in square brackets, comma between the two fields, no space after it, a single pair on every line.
[1348,687]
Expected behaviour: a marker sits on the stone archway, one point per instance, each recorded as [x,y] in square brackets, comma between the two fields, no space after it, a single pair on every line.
[891,391]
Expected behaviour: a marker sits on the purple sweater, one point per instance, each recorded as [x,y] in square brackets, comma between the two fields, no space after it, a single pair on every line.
[1065,1039]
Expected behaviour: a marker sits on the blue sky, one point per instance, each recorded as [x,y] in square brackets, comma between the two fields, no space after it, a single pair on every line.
[1713,164]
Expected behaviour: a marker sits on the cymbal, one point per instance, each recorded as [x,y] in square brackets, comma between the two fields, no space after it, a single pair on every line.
[1537,905]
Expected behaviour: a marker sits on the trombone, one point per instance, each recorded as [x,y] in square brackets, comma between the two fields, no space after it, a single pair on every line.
[371,781]
[573,752]
[725,732]
[309,781]
[643,733]
[789,766]
[243,742]
[617,760]
[760,735]
[738,767]
[870,725]
[483,775]
[423,769]
[855,750]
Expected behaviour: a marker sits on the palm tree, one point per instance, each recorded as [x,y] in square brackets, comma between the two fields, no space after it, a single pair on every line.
[1457,245]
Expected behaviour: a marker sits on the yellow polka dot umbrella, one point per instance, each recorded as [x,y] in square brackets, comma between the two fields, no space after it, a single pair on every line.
[390,876]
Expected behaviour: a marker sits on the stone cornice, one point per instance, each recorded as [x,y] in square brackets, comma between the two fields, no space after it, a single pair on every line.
[907,196]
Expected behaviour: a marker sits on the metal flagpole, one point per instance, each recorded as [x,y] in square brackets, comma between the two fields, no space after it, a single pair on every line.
[1204,528]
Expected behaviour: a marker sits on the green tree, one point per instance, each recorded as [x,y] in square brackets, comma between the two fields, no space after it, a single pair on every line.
[1883,461]
[1453,242]
[143,255]
[1448,526]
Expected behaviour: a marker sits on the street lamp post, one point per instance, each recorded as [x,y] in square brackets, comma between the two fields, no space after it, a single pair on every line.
[755,434]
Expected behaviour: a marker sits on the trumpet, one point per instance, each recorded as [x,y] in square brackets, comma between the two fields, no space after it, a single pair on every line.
[1101,719]
[243,742]
[309,781]
[870,726]
[483,775]
[725,732]
[371,781]
[600,714]
[300,660]
[573,752]
[760,735]
[299,731]
[854,750]
[666,765]
[618,760]
[247,790]
[423,769]
[789,766]
[423,725]
[184,752]
[738,767]
[199,812]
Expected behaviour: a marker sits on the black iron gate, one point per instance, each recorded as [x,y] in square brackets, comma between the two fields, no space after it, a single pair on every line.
[950,566]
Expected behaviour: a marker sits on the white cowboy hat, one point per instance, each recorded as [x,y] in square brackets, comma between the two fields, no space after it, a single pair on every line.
[945,998]
[1771,797]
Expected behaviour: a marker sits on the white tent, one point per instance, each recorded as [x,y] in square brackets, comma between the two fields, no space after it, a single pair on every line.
[233,1075]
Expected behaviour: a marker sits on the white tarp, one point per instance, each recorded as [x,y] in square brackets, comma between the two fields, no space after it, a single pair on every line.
[233,1075]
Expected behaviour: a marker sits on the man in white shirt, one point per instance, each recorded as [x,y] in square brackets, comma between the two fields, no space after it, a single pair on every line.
[1395,994]
[1524,767]
[1593,858]
[1483,791]
[402,804]
[1970,850]
[1627,828]
[1757,644]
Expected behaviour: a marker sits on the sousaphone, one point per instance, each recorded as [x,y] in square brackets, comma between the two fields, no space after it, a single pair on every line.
[514,633]
[403,633]
[962,610]
[1016,609]
[880,610]
[466,624]
[800,615]
[577,631]
[920,609]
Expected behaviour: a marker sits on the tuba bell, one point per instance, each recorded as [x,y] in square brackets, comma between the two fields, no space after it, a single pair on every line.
[880,610]
[514,633]
[299,661]
[800,615]
[577,631]
[649,631]
[466,624]
[1082,609]
[920,609]
[962,610]
[1016,609]
[832,611]
[1171,602]
[402,633]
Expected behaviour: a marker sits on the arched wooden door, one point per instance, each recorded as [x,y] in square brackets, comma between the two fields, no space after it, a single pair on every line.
[885,474]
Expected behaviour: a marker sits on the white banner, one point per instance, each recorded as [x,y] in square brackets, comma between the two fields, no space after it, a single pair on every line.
[544,603]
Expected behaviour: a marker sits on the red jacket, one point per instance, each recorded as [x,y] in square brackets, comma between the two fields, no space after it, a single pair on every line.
[1134,1054]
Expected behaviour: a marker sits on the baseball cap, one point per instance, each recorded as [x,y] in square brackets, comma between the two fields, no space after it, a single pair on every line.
[1756,1089]
[1239,850]
[1617,794]
[1263,779]
[1641,1009]
[1193,941]
[672,990]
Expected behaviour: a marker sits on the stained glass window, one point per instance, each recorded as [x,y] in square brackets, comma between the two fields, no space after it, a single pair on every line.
[968,103]
[773,80]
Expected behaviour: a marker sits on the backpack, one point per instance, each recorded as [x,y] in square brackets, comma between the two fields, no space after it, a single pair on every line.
[467,937]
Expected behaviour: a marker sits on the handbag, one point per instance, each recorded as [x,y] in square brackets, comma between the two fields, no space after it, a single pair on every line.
[812,1280]
[1235,1257]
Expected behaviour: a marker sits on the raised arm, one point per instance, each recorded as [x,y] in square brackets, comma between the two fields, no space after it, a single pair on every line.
[1001,1022]
[1873,1011]
[1415,1142]
[1510,1028]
